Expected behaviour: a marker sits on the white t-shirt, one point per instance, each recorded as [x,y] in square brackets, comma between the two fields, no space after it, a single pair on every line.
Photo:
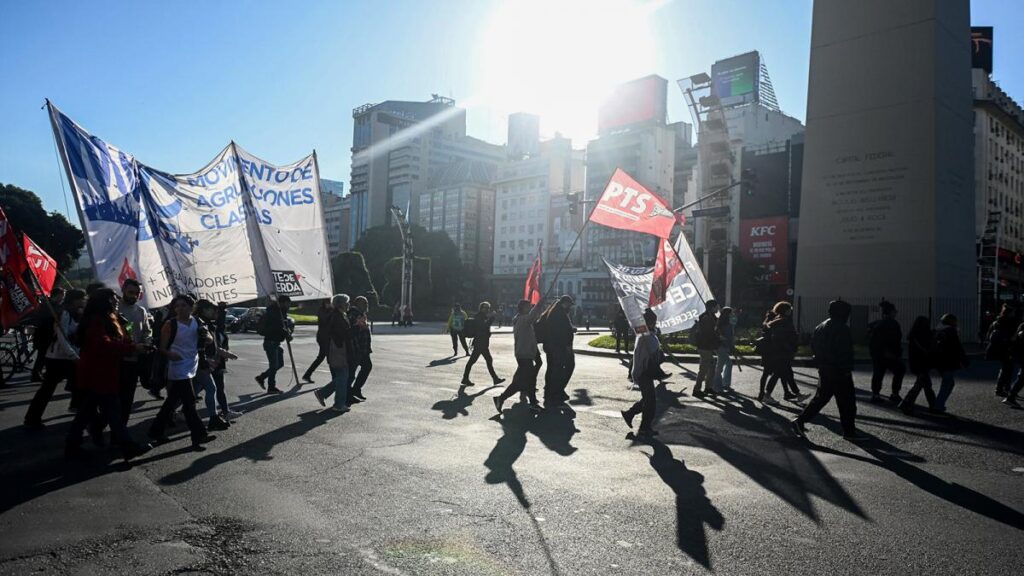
[185,343]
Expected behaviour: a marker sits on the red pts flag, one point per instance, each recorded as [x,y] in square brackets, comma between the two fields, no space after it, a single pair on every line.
[40,263]
[627,205]
[18,297]
[532,292]
[666,268]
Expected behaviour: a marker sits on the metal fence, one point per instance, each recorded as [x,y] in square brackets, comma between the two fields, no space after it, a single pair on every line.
[809,312]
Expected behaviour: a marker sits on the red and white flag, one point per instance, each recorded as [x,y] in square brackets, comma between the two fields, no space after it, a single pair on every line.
[627,205]
[532,291]
[17,297]
[41,264]
[666,268]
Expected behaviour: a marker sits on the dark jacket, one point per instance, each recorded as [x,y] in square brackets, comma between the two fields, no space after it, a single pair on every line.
[482,339]
[361,337]
[559,329]
[1000,335]
[782,339]
[274,329]
[832,344]
[920,351]
[708,337]
[949,352]
[338,330]
[321,325]
[886,340]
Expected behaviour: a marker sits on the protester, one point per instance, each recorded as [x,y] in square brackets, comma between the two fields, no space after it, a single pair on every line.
[274,332]
[362,348]
[103,344]
[707,340]
[558,336]
[482,343]
[138,324]
[206,314]
[920,346]
[528,362]
[456,328]
[620,325]
[832,345]
[645,363]
[406,315]
[60,357]
[44,332]
[723,366]
[183,341]
[339,352]
[220,338]
[951,358]
[321,340]
[783,342]
[763,346]
[999,338]
[885,345]
[1017,353]
[396,315]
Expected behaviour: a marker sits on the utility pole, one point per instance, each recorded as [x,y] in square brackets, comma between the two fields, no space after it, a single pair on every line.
[407,257]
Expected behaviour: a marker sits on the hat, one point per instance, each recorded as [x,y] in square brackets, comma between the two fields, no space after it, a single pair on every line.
[566,299]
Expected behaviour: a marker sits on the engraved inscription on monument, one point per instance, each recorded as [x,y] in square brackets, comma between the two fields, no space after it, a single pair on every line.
[865,189]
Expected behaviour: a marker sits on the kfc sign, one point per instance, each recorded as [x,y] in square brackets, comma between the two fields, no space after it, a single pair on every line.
[759,231]
[765,242]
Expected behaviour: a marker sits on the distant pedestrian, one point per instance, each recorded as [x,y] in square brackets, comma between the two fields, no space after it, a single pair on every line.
[558,337]
[707,340]
[920,353]
[362,348]
[481,343]
[396,315]
[763,345]
[646,356]
[998,342]
[61,358]
[622,329]
[723,365]
[321,340]
[951,358]
[407,315]
[274,329]
[784,343]
[832,344]
[528,362]
[1017,351]
[456,328]
[885,345]
[339,355]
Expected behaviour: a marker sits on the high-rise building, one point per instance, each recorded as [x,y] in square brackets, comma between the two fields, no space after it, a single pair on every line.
[460,202]
[337,212]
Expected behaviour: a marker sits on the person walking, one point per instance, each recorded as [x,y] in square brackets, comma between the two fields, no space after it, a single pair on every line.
[920,352]
[407,315]
[456,328]
[139,325]
[362,347]
[885,346]
[558,336]
[339,355]
[61,358]
[723,364]
[950,356]
[321,340]
[998,340]
[832,345]
[784,342]
[1017,352]
[44,333]
[104,343]
[528,362]
[622,329]
[645,363]
[707,340]
[206,314]
[274,332]
[183,341]
[482,344]
[764,348]
[220,338]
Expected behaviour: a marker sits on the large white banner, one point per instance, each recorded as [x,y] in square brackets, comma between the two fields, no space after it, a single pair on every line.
[236,230]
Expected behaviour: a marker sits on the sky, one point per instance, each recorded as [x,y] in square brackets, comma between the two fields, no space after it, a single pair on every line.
[173,83]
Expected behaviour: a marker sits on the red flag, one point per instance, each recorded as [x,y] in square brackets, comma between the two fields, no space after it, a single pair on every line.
[126,272]
[666,268]
[18,297]
[532,292]
[44,267]
[627,205]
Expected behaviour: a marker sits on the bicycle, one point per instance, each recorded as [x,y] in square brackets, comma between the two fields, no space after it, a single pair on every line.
[16,351]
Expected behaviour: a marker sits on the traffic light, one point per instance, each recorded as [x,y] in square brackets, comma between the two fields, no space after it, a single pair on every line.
[574,202]
[749,181]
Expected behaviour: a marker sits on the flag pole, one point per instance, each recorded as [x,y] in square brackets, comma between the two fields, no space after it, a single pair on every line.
[683,263]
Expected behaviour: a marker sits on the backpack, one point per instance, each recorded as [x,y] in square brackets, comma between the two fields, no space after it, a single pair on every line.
[261,325]
[470,328]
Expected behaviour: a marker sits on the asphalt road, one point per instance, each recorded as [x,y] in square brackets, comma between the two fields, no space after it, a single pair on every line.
[425,479]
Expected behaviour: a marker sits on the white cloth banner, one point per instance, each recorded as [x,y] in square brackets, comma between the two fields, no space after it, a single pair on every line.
[236,230]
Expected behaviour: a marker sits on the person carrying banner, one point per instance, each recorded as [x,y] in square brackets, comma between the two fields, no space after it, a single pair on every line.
[886,348]
[139,326]
[44,333]
[362,348]
[456,326]
[528,362]
[646,355]
[481,343]
[558,336]
[707,340]
[274,330]
[339,355]
[61,358]
[321,340]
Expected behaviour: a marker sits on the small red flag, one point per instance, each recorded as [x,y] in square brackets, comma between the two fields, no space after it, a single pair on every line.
[532,291]
[17,297]
[627,205]
[126,272]
[41,264]
[666,268]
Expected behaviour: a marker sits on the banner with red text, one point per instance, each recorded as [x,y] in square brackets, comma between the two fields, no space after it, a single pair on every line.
[627,205]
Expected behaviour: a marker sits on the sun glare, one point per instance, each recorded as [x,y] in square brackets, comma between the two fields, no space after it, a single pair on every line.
[560,58]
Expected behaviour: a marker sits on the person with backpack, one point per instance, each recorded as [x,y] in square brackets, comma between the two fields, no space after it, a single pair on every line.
[456,328]
[61,358]
[339,355]
[479,328]
[784,342]
[885,344]
[559,332]
[920,351]
[832,345]
[707,340]
[528,362]
[998,341]
[950,356]
[362,348]
[206,314]
[321,340]
[274,329]
[183,342]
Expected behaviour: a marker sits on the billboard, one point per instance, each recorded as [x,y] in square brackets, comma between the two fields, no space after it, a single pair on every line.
[981,47]
[640,101]
[735,80]
[765,242]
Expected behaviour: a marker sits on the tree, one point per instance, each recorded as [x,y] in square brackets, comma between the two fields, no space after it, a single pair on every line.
[421,283]
[351,277]
[52,232]
[380,244]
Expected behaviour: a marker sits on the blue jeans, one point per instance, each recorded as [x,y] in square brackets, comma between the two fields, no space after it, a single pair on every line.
[945,389]
[275,360]
[204,381]
[723,369]
[337,386]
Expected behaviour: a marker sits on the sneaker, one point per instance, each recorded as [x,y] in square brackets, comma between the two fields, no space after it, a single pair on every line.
[307,379]
[628,418]
[769,401]
[907,409]
[339,409]
[217,424]
[155,393]
[466,382]
[319,397]
[260,379]
[499,380]
[358,395]
[789,397]
[1011,401]
[497,404]
[353,400]
[798,428]
[274,390]
[536,408]
[230,414]
[698,394]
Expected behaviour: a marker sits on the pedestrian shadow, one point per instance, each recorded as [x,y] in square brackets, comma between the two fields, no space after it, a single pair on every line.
[443,361]
[255,449]
[253,402]
[581,397]
[459,404]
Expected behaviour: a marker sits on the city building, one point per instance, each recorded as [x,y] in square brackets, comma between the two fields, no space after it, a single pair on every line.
[337,213]
[459,201]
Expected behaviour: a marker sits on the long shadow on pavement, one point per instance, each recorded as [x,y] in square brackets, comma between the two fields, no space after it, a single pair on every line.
[459,404]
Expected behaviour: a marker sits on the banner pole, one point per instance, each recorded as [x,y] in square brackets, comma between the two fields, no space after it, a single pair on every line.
[683,263]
